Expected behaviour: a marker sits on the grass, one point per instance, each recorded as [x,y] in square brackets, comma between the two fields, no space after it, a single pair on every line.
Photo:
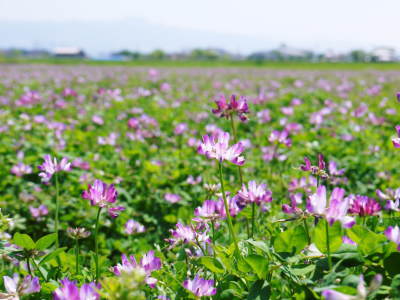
[209,64]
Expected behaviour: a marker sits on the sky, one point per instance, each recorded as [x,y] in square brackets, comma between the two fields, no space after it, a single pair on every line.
[312,24]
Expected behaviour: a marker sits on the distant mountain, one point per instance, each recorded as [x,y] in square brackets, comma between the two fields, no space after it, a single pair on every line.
[134,34]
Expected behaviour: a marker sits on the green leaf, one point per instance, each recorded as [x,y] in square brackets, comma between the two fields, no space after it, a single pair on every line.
[259,264]
[24,241]
[213,264]
[52,255]
[335,236]
[292,240]
[259,290]
[368,242]
[392,264]
[46,241]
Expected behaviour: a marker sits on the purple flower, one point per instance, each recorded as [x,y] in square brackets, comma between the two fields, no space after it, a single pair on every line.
[51,166]
[78,233]
[315,170]
[362,291]
[172,198]
[21,169]
[337,209]
[70,291]
[207,211]
[347,240]
[133,227]
[200,287]
[255,193]
[181,129]
[280,137]
[187,234]
[15,288]
[396,141]
[39,212]
[148,264]
[217,146]
[97,120]
[102,195]
[296,199]
[225,109]
[191,180]
[393,234]
[398,96]
[363,206]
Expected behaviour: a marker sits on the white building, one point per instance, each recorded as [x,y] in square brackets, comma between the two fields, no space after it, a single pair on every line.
[383,54]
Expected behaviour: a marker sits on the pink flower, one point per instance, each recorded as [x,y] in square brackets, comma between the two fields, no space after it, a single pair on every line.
[70,291]
[337,209]
[132,227]
[148,264]
[97,120]
[15,288]
[280,137]
[21,169]
[207,211]
[102,195]
[217,147]
[396,141]
[50,166]
[393,234]
[39,212]
[363,206]
[172,198]
[181,129]
[238,107]
[200,287]
[255,193]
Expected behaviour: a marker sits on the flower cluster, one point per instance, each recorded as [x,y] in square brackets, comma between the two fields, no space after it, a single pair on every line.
[338,206]
[16,288]
[69,290]
[319,170]
[102,195]
[217,146]
[148,264]
[50,166]
[255,193]
[133,227]
[200,287]
[234,106]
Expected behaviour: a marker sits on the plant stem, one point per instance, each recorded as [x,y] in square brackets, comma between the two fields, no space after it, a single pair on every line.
[228,215]
[235,140]
[96,245]
[29,266]
[328,246]
[307,232]
[57,210]
[253,219]
[37,267]
[77,256]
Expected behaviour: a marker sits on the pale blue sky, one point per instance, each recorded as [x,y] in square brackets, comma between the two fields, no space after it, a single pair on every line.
[318,24]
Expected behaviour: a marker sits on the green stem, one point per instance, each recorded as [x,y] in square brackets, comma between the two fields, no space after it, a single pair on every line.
[37,267]
[253,219]
[29,266]
[96,245]
[235,140]
[77,256]
[328,246]
[228,215]
[248,228]
[307,232]
[57,210]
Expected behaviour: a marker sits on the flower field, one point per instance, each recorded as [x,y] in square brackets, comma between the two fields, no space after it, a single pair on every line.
[199,183]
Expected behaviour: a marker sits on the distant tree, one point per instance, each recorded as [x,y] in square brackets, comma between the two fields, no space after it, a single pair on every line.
[358,56]
[157,54]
